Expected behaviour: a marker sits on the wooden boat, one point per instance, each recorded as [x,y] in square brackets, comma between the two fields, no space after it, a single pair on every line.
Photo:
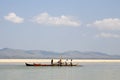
[35,64]
[59,63]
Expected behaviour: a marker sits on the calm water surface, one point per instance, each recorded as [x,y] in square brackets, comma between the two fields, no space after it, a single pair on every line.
[89,71]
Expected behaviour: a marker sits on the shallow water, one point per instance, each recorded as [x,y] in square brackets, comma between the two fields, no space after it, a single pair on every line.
[89,71]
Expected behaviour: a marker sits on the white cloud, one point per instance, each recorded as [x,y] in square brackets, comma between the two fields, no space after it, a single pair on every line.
[13,18]
[107,35]
[107,24]
[45,18]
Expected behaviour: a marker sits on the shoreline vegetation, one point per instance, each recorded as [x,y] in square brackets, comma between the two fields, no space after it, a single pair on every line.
[55,60]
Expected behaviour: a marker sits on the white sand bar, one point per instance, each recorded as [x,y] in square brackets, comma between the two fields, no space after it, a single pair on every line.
[55,60]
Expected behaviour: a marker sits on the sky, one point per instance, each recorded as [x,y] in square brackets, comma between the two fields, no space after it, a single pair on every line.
[61,25]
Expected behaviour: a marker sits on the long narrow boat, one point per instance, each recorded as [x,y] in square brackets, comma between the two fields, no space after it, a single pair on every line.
[35,64]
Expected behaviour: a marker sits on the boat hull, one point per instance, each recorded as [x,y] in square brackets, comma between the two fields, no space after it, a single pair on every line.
[47,65]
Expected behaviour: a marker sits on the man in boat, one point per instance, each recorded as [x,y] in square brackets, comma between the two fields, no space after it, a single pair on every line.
[71,62]
[51,61]
[66,62]
[60,62]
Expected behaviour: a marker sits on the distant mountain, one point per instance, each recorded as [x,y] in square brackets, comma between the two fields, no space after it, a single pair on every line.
[7,53]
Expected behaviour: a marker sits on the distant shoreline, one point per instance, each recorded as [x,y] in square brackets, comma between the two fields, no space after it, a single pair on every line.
[55,60]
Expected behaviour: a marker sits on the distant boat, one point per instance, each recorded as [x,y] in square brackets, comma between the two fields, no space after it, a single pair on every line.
[36,64]
[59,63]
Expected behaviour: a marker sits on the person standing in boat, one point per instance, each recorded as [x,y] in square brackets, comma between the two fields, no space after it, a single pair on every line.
[71,62]
[51,61]
[60,62]
[66,62]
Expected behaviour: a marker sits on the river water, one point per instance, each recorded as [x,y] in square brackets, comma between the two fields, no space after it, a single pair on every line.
[89,71]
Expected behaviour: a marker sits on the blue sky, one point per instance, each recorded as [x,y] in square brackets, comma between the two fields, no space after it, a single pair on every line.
[61,25]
